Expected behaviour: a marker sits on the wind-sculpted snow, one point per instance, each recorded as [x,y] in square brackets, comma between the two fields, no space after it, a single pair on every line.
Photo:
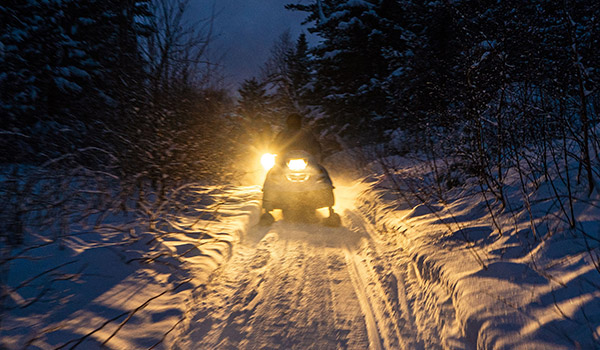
[194,271]
[490,282]
[116,285]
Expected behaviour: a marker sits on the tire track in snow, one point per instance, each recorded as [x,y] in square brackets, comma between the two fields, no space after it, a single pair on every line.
[367,309]
[323,312]
[386,270]
[419,303]
[293,291]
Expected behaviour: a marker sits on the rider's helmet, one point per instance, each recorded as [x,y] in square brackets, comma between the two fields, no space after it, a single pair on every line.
[294,121]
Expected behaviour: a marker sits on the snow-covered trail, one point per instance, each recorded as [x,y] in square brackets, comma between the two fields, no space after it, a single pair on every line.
[300,285]
[288,287]
[432,276]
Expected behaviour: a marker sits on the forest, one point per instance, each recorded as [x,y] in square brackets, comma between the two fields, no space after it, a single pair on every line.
[110,108]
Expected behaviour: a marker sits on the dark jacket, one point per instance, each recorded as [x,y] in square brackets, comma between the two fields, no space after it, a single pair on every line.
[289,140]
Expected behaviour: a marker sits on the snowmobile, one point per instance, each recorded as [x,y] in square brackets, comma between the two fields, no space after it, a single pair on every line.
[298,185]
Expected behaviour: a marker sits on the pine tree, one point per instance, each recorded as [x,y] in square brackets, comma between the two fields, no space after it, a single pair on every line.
[62,72]
[300,72]
[253,102]
[287,74]
[363,43]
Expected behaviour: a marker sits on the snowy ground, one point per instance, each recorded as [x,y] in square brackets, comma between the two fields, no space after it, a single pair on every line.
[305,286]
[393,277]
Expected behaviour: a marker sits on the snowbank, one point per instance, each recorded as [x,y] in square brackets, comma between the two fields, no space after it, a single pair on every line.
[491,288]
[118,286]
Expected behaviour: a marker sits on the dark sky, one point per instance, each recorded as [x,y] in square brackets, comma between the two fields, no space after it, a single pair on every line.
[245,31]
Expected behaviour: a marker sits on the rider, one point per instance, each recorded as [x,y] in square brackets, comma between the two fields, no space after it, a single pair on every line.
[294,137]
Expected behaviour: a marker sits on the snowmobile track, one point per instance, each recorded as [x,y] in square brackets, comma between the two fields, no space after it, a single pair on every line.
[293,290]
[303,286]
[359,288]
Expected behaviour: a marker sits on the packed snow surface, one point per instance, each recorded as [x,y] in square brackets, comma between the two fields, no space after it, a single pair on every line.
[394,276]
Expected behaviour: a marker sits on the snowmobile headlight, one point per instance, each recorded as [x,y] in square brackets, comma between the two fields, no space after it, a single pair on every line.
[297,164]
[268,161]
